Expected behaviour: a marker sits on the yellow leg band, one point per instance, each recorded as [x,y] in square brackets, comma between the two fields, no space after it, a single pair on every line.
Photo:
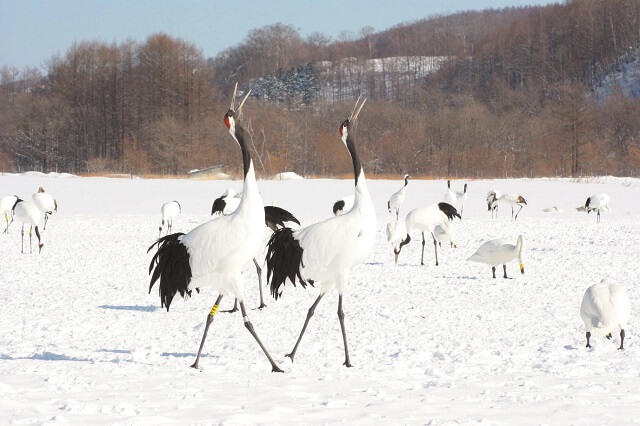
[213,310]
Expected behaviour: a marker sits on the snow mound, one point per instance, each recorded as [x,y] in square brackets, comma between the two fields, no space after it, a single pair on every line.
[287,176]
[41,174]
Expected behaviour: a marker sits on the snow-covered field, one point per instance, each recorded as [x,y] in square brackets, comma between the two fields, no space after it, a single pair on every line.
[82,341]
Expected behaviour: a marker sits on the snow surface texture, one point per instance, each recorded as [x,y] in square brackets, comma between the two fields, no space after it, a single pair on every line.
[82,342]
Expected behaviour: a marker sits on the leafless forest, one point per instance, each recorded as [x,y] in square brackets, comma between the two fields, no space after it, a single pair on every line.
[477,94]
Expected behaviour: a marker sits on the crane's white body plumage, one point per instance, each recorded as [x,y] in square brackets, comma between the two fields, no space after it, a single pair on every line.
[425,219]
[28,213]
[605,308]
[334,246]
[169,210]
[220,248]
[397,198]
[45,202]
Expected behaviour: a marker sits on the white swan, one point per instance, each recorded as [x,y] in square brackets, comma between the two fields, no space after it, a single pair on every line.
[497,252]
[605,308]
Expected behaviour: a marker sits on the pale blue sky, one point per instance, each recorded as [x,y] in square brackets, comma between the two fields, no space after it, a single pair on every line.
[31,31]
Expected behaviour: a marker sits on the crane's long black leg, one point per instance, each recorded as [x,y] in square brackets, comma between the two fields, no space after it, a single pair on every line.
[347,362]
[435,247]
[235,308]
[30,236]
[621,340]
[46,219]
[511,212]
[304,327]
[521,207]
[504,268]
[212,313]
[588,337]
[22,240]
[259,272]
[493,269]
[249,326]
[422,256]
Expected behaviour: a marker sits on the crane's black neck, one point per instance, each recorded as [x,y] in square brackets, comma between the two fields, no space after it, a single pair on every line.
[246,155]
[406,181]
[357,166]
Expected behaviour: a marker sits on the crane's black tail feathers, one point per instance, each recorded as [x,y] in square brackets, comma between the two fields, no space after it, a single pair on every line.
[170,264]
[218,205]
[275,217]
[338,206]
[284,260]
[449,211]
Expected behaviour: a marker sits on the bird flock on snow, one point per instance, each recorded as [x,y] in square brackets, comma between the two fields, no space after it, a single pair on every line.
[321,255]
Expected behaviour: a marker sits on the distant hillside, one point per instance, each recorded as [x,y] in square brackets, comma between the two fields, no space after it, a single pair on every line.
[390,79]
[624,77]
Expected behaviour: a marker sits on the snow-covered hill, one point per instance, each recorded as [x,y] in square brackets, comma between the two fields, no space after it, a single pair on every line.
[623,77]
[82,341]
[346,79]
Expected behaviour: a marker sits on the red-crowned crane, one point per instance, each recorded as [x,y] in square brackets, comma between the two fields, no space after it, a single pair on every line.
[215,253]
[597,203]
[27,213]
[46,203]
[455,198]
[432,219]
[326,251]
[397,199]
[513,200]
[168,210]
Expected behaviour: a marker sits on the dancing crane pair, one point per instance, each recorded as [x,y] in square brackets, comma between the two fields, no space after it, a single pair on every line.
[214,253]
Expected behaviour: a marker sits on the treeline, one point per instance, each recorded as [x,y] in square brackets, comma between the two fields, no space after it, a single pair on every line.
[510,96]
